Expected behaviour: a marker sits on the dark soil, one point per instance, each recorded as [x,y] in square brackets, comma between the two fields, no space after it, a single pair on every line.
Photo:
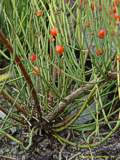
[47,148]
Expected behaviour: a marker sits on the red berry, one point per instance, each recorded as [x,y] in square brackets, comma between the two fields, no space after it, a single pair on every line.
[99,52]
[53,32]
[102,33]
[36,70]
[59,49]
[39,13]
[116,17]
[93,7]
[33,57]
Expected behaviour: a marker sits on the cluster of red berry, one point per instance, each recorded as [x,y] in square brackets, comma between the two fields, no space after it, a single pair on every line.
[54,33]
[101,33]
[59,50]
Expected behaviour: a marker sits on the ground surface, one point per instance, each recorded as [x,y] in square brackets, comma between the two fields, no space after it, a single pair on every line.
[46,148]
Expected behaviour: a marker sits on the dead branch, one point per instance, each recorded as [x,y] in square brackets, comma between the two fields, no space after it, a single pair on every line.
[67,100]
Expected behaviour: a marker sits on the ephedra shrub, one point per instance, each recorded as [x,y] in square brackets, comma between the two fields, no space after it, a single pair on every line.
[63,69]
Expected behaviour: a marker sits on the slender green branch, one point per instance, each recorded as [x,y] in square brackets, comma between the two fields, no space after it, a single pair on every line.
[12,117]
[20,108]
[63,140]
[7,44]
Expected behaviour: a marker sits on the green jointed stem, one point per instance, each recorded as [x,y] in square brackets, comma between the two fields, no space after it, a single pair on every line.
[6,43]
